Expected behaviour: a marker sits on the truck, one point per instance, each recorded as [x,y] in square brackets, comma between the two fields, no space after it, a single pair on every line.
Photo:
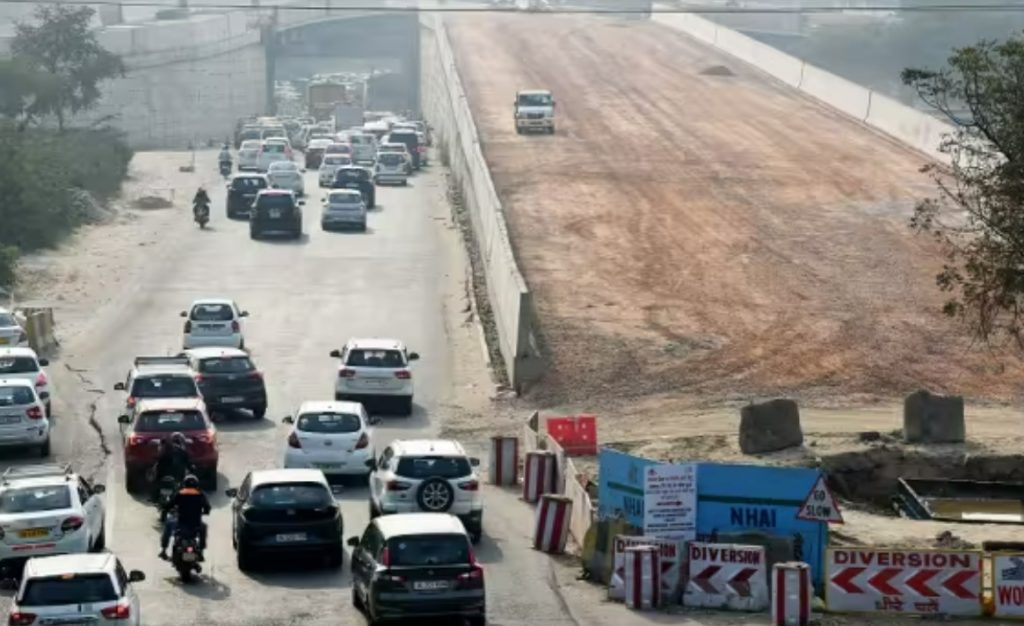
[322,97]
[534,110]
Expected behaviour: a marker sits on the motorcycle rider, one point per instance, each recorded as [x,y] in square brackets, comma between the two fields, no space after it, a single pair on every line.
[191,504]
[173,461]
[224,158]
[201,199]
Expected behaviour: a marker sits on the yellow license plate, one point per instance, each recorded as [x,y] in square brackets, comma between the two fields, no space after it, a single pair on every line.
[3,341]
[33,533]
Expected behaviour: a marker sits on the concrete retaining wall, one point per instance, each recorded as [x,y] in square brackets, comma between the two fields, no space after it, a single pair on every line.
[446,107]
[917,129]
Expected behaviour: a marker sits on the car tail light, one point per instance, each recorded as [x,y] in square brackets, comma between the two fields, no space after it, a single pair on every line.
[41,379]
[34,413]
[188,326]
[385,557]
[206,437]
[199,378]
[72,524]
[469,485]
[397,485]
[256,375]
[346,373]
[135,440]
[475,575]
[118,611]
[131,401]
[21,619]
[293,441]
[403,374]
[364,440]
[234,326]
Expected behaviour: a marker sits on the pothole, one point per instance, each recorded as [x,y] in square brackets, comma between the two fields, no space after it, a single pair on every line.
[717,70]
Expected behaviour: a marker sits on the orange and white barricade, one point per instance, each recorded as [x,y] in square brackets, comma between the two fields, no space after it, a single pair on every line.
[552,526]
[642,574]
[539,475]
[791,594]
[504,465]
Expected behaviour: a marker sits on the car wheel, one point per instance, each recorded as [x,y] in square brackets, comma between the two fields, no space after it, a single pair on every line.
[476,532]
[259,412]
[405,407]
[253,234]
[478,620]
[335,557]
[435,495]
[362,227]
[243,558]
[49,410]
[44,449]
[101,541]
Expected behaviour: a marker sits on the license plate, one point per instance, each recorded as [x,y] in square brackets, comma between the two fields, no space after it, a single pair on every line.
[189,557]
[210,326]
[374,382]
[232,399]
[290,537]
[430,585]
[328,466]
[10,419]
[3,341]
[33,533]
[275,212]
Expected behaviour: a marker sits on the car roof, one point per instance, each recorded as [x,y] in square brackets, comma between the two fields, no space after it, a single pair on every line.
[330,406]
[169,404]
[200,301]
[535,92]
[16,352]
[283,164]
[370,343]
[291,475]
[82,563]
[275,192]
[419,524]
[215,352]
[441,447]
[248,175]
[144,370]
[17,382]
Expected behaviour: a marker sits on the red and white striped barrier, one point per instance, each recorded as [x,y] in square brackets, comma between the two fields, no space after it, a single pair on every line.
[552,528]
[791,594]
[504,468]
[642,573]
[539,475]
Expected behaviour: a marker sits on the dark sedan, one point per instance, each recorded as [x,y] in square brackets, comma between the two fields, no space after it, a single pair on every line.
[229,380]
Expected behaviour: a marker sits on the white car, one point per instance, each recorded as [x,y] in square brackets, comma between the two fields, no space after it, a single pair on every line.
[375,369]
[47,510]
[249,155]
[364,147]
[333,437]
[400,148]
[91,589]
[391,167]
[25,364]
[214,322]
[11,332]
[343,208]
[287,175]
[272,151]
[329,165]
[431,476]
[23,420]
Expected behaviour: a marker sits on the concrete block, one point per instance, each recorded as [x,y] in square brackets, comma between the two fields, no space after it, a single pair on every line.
[917,129]
[770,426]
[777,548]
[930,418]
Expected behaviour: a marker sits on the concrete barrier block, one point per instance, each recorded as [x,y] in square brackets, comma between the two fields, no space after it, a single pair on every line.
[930,418]
[770,426]
[837,92]
[782,66]
[915,128]
[777,548]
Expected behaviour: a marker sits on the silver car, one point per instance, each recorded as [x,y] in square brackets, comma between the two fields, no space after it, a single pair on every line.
[287,175]
[11,332]
[330,165]
[344,208]
[391,167]
[249,155]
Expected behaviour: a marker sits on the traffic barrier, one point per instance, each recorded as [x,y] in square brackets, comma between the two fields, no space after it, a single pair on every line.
[1008,585]
[727,576]
[642,577]
[576,434]
[670,564]
[538,476]
[552,524]
[504,462]
[791,594]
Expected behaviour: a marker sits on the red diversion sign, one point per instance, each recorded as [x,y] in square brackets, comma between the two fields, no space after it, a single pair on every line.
[936,582]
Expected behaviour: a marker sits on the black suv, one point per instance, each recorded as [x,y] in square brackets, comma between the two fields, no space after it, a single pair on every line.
[276,210]
[229,380]
[411,141]
[355,177]
[417,565]
[242,192]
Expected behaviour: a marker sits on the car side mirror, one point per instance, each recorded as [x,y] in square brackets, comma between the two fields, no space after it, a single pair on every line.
[371,463]
[231,493]
[375,420]
[336,354]
[136,576]
[302,203]
[415,356]
[353,542]
[288,419]
[475,462]
[124,419]
[243,314]
[44,362]
[99,488]
[118,386]
[183,314]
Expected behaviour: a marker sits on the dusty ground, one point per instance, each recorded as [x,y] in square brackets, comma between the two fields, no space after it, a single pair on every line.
[696,234]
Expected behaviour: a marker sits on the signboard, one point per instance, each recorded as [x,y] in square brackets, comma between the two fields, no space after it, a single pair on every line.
[620,488]
[1008,585]
[935,582]
[727,576]
[670,501]
[671,553]
[820,504]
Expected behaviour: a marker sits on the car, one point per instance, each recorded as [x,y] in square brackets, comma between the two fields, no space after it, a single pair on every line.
[46,510]
[287,175]
[24,363]
[276,210]
[249,154]
[333,437]
[343,208]
[77,589]
[339,147]
[229,380]
[329,165]
[364,146]
[375,370]
[420,565]
[285,511]
[11,331]
[422,147]
[400,148]
[23,419]
[249,133]
[391,168]
[242,192]
[427,475]
[358,178]
[159,377]
[272,151]
[151,421]
[214,322]
[411,140]
[315,151]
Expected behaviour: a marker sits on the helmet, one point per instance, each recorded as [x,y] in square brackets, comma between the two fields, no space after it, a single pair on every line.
[225,145]
[178,439]
[191,481]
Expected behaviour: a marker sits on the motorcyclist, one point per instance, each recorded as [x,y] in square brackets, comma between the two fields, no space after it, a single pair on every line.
[173,461]
[201,199]
[191,504]
[225,155]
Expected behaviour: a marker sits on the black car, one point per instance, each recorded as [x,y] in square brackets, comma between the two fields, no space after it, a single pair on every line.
[242,192]
[229,380]
[275,210]
[356,177]
[411,141]
[285,512]
[417,565]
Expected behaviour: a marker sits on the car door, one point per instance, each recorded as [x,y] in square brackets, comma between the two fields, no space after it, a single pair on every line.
[238,318]
[377,477]
[364,558]
[239,502]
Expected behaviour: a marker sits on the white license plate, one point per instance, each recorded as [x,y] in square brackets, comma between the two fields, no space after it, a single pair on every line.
[290,537]
[328,466]
[275,212]
[430,585]
[232,399]
[10,419]
[374,382]
[188,557]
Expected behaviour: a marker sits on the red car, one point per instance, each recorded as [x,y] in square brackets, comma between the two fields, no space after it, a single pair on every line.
[156,420]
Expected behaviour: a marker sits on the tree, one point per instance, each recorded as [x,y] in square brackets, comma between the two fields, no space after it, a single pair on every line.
[978,212]
[63,44]
[28,93]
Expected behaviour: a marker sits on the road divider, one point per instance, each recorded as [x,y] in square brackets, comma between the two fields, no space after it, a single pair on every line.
[551,531]
[40,328]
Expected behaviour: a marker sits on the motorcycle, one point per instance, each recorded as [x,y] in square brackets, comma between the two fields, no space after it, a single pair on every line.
[225,168]
[185,553]
[201,213]
[168,486]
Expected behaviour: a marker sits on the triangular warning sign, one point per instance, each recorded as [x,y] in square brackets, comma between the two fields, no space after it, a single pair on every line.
[820,505]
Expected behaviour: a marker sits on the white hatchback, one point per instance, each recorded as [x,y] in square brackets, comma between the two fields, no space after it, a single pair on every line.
[23,420]
[287,175]
[343,208]
[333,437]
[11,332]
[214,322]
[375,370]
[249,155]
[25,364]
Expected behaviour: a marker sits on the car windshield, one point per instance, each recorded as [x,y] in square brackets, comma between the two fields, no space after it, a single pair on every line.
[226,365]
[7,320]
[249,183]
[68,589]
[35,499]
[329,422]
[375,358]
[426,550]
[169,421]
[164,386]
[427,466]
[18,365]
[391,158]
[291,496]
[534,99]
[214,312]
[16,396]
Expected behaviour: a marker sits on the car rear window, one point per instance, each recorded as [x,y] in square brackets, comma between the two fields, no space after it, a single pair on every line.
[407,137]
[291,496]
[68,589]
[352,174]
[391,158]
[251,135]
[246,184]
[226,365]
[338,148]
[344,198]
[33,499]
[431,466]
[277,201]
[330,423]
[16,396]
[7,320]
[18,365]
[375,358]
[274,147]
[426,550]
[393,148]
[164,386]
[212,313]
[170,421]
[337,160]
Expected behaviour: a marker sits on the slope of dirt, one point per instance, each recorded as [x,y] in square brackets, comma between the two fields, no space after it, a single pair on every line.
[694,230]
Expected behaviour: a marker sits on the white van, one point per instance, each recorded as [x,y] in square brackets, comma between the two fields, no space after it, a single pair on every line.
[364,147]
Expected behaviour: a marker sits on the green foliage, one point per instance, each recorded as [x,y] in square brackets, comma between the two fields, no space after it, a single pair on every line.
[27,92]
[977,213]
[8,265]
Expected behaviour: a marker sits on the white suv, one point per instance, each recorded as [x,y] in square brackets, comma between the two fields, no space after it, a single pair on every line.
[11,331]
[214,322]
[427,475]
[375,369]
[24,363]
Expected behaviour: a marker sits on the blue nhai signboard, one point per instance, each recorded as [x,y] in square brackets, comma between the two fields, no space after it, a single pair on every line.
[620,489]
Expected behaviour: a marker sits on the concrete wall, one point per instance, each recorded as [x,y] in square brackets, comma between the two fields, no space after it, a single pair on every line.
[447,109]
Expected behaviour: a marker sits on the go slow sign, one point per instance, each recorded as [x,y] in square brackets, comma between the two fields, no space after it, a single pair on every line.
[820,504]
